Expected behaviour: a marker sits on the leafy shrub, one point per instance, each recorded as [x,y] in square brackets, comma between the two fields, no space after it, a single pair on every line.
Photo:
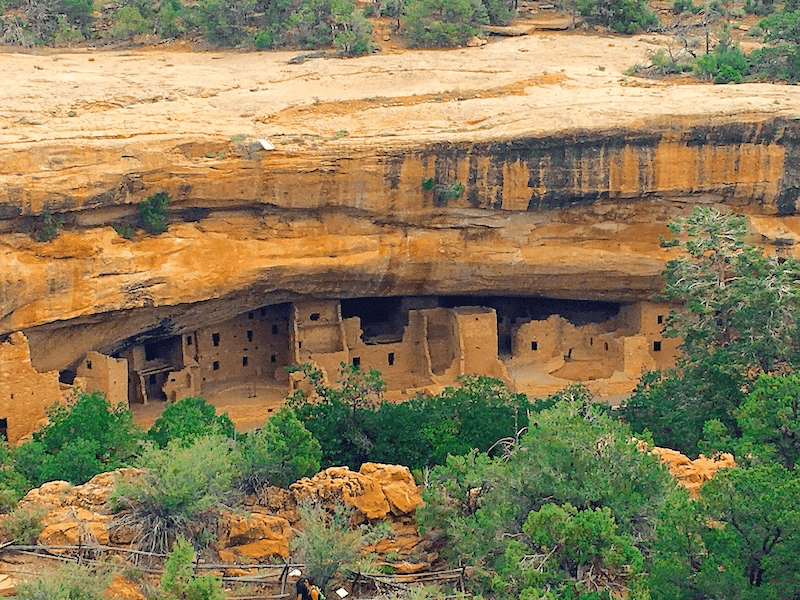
[353,424]
[569,542]
[24,524]
[573,456]
[354,35]
[168,18]
[668,64]
[782,59]
[154,214]
[278,454]
[68,582]
[685,6]
[179,581]
[178,490]
[762,8]
[769,420]
[50,227]
[500,12]
[223,23]
[80,440]
[12,483]
[188,419]
[327,541]
[726,64]
[738,540]
[316,23]
[624,16]
[66,34]
[442,23]
[125,231]
[129,22]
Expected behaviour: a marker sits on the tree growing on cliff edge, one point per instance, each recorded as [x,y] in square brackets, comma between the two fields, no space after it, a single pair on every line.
[741,318]
[154,213]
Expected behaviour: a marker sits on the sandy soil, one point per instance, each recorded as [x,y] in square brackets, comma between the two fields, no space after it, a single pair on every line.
[538,83]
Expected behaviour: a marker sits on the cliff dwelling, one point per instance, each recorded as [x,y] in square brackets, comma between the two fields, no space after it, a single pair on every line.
[418,343]
[334,245]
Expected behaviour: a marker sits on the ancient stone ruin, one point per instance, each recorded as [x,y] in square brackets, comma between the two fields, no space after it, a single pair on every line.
[543,270]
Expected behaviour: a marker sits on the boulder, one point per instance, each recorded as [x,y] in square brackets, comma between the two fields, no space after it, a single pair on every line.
[259,535]
[691,474]
[398,486]
[362,492]
[70,526]
[8,585]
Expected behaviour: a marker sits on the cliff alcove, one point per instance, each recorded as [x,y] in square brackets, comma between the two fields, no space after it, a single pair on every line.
[569,173]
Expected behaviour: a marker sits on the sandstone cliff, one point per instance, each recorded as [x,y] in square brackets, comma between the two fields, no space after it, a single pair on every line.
[569,171]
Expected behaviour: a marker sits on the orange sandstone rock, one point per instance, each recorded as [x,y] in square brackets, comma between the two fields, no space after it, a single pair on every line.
[691,474]
[398,486]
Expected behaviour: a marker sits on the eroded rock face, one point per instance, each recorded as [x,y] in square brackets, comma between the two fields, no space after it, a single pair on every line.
[691,474]
[82,515]
[376,491]
[257,535]
[77,514]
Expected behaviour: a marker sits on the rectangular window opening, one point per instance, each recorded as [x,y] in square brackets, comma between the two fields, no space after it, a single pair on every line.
[188,340]
[660,319]
[215,365]
[656,346]
[314,316]
[356,361]
[274,330]
[244,361]
[534,346]
[273,359]
[89,365]
[391,358]
[249,335]
[215,339]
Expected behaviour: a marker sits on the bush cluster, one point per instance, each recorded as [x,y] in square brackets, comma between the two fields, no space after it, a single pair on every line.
[354,425]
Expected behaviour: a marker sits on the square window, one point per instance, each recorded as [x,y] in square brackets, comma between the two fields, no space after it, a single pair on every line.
[656,346]
[215,339]
[215,365]
[314,316]
[356,361]
[273,359]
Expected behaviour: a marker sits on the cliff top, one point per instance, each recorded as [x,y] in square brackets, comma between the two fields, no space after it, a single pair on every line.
[541,83]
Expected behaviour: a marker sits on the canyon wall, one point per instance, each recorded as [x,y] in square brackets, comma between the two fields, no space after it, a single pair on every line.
[576,215]
[573,216]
